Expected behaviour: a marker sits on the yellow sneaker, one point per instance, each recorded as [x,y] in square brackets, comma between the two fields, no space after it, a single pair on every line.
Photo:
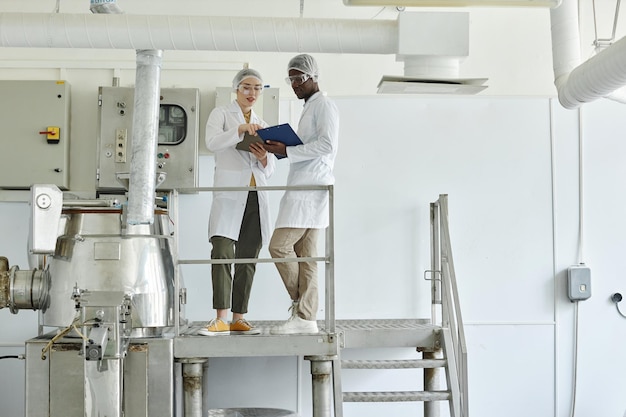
[216,327]
[242,326]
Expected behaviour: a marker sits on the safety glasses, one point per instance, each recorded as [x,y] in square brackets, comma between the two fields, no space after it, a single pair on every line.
[297,79]
[248,89]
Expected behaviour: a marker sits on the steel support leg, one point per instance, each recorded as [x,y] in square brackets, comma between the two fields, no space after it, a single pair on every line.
[321,369]
[431,383]
[192,386]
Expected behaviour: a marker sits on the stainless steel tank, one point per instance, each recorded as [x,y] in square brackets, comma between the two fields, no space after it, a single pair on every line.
[97,251]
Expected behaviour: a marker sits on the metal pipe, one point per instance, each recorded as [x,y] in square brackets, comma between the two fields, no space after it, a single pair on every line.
[90,203]
[192,387]
[142,186]
[431,383]
[329,269]
[321,368]
[142,179]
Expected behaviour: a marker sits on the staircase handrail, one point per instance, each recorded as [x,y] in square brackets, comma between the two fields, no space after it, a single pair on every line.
[451,317]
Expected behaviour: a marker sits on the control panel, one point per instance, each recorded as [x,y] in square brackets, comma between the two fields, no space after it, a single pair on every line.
[35,133]
[177,151]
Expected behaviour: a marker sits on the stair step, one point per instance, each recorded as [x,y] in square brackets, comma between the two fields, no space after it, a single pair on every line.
[377,397]
[393,364]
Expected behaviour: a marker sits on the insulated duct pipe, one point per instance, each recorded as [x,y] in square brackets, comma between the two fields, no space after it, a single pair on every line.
[142,179]
[207,33]
[597,77]
[142,184]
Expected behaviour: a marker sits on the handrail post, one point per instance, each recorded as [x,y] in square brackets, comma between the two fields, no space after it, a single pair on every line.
[445,292]
[173,213]
[330,264]
[435,260]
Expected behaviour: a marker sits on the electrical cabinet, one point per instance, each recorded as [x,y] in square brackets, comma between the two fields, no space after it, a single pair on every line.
[35,120]
[177,151]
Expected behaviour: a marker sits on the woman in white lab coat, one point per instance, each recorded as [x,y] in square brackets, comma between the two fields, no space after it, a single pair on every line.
[302,214]
[239,222]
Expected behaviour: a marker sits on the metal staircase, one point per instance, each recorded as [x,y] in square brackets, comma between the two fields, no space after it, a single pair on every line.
[440,339]
[442,342]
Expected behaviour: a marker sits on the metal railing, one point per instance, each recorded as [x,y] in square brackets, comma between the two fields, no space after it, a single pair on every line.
[328,258]
[444,292]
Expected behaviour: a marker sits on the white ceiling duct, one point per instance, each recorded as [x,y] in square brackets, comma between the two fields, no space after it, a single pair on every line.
[578,83]
[202,33]
[431,44]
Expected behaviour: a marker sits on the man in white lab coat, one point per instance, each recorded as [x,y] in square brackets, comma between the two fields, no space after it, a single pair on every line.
[302,214]
[239,222]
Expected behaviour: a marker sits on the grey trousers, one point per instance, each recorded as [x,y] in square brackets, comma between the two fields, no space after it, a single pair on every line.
[300,278]
[227,287]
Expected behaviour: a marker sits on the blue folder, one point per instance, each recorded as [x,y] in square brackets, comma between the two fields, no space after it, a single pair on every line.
[280,133]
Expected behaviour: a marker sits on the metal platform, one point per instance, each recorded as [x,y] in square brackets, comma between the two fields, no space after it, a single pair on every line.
[388,333]
[349,334]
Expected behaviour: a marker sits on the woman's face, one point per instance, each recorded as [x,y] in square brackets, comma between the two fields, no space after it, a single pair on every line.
[248,92]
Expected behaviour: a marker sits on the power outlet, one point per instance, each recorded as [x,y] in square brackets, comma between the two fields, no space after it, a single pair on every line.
[578,282]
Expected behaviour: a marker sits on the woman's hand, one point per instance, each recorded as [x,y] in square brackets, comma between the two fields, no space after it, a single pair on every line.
[250,128]
[259,152]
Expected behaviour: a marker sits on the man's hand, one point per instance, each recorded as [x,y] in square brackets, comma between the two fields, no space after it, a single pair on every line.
[275,147]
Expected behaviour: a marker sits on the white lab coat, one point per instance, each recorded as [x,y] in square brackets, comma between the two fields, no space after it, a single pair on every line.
[233,168]
[311,164]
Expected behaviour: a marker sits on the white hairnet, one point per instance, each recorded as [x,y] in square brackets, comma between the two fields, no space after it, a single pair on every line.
[246,73]
[304,63]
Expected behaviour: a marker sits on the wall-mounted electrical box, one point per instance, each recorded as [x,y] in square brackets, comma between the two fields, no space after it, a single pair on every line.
[177,150]
[35,120]
[578,282]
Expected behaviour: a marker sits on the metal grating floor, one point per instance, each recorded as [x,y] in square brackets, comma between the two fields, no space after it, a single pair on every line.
[349,334]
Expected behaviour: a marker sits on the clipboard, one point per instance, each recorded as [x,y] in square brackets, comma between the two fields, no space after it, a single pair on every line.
[244,145]
[280,133]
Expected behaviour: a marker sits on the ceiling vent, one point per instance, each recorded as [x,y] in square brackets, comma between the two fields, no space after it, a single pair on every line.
[432,45]
[390,84]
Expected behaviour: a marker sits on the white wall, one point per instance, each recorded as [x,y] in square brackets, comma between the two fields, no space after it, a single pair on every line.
[510,169]
[494,158]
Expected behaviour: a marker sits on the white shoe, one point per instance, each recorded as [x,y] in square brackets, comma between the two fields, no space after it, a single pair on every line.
[295,325]
[293,310]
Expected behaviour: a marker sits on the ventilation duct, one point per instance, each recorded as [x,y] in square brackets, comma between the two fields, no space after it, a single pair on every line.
[596,78]
[431,44]
[142,176]
[432,67]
